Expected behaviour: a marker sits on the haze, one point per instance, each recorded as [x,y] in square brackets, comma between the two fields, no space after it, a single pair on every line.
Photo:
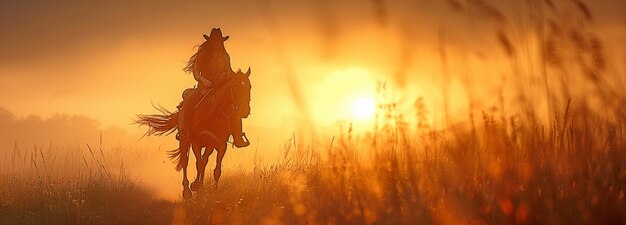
[110,60]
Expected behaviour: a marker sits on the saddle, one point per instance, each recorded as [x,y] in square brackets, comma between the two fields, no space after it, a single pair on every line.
[215,97]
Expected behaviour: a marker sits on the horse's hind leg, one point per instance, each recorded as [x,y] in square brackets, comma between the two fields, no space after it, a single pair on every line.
[217,172]
[184,160]
[198,183]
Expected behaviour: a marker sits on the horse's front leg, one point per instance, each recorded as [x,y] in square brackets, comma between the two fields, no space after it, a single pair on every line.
[205,159]
[201,161]
[217,172]
[197,152]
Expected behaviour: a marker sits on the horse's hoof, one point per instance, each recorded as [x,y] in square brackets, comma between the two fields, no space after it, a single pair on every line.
[195,186]
[187,193]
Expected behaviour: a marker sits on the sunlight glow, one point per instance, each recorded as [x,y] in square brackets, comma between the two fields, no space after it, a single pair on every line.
[363,107]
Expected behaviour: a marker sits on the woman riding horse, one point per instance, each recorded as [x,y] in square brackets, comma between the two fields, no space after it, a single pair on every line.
[210,66]
[210,130]
[212,111]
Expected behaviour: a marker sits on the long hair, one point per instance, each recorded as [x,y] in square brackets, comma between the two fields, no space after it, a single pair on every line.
[204,48]
[192,61]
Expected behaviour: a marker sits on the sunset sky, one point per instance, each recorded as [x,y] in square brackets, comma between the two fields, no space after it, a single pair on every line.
[310,59]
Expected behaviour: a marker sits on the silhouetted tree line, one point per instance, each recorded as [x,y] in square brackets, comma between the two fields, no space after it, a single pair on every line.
[60,130]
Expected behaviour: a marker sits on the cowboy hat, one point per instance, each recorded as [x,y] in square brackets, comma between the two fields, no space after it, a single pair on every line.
[216,34]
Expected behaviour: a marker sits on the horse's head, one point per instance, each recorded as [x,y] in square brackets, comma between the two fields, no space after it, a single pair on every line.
[241,92]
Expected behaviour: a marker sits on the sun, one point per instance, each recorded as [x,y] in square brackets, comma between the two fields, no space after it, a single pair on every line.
[363,107]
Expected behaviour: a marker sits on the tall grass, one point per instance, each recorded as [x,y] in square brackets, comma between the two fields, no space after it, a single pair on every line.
[555,156]
[81,185]
[507,171]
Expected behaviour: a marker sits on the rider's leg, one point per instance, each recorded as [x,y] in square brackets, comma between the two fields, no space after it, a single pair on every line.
[236,130]
[189,97]
[179,136]
[182,124]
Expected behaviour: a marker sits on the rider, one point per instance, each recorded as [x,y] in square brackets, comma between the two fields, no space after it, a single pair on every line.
[211,68]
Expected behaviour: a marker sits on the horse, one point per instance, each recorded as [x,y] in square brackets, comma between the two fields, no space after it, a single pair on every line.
[208,128]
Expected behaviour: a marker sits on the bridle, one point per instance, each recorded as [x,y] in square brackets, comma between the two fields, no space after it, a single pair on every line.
[235,104]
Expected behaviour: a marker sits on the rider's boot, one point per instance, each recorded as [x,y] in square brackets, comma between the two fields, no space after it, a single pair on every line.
[238,134]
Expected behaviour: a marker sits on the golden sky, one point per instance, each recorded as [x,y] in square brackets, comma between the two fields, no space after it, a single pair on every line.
[110,60]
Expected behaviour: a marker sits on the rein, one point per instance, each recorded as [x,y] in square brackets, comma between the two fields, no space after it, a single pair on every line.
[224,87]
[213,91]
[234,104]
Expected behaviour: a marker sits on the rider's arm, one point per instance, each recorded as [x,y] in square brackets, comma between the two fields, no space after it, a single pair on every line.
[197,74]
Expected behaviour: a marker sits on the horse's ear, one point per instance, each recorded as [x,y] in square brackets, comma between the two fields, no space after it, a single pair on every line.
[248,73]
[205,37]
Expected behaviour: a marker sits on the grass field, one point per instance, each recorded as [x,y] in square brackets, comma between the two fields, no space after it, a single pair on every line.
[502,171]
[552,150]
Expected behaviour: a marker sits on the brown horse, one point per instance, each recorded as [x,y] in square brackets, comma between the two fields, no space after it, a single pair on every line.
[208,128]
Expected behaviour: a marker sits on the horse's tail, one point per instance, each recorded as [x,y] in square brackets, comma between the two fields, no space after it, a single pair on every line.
[159,124]
[164,124]
[177,155]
